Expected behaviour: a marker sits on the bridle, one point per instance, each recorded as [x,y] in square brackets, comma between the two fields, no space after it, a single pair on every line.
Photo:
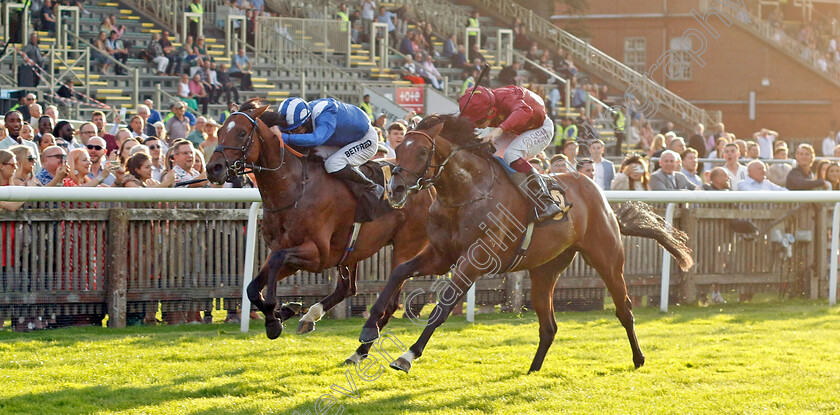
[424,182]
[237,168]
[239,165]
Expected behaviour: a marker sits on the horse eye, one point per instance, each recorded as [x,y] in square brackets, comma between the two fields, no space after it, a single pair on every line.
[424,151]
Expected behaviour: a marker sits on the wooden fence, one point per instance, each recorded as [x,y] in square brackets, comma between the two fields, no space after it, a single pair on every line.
[79,259]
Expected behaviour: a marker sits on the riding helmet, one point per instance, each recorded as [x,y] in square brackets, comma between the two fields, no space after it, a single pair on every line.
[479,106]
[296,112]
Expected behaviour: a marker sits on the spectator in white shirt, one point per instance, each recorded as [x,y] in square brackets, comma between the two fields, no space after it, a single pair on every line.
[829,143]
[736,171]
[604,170]
[765,143]
[756,178]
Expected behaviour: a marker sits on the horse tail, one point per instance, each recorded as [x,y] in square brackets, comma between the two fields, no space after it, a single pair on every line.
[639,219]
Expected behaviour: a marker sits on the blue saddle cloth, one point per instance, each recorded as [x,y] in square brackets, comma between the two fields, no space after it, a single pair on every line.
[509,170]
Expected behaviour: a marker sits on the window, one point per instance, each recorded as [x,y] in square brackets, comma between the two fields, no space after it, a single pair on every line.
[634,53]
[679,67]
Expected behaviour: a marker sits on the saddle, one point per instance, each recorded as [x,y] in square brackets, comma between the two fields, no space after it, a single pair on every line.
[555,189]
[368,206]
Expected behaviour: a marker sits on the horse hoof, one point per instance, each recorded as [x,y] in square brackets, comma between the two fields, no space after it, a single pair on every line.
[273,329]
[353,359]
[294,307]
[401,364]
[369,334]
[639,362]
[305,327]
[287,311]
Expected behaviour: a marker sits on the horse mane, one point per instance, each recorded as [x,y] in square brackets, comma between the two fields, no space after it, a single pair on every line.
[460,131]
[271,118]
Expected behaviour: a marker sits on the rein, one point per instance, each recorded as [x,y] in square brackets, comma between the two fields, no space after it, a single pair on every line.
[239,166]
[425,183]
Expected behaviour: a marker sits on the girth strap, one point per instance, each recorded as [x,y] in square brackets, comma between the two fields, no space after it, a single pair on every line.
[523,247]
[351,244]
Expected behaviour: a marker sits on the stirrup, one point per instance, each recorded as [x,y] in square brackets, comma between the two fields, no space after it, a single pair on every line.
[551,211]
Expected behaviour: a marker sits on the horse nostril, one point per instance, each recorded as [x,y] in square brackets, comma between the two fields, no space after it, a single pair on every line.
[216,169]
[399,189]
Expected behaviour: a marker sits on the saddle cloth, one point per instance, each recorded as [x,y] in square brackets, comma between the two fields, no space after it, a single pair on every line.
[368,206]
[555,188]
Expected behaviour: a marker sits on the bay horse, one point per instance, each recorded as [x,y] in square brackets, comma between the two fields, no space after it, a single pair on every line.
[308,216]
[477,222]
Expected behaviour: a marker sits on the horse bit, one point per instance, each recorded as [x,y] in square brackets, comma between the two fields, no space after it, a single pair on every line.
[237,168]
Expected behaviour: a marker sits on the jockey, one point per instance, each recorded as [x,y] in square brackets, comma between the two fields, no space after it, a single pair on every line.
[518,111]
[327,122]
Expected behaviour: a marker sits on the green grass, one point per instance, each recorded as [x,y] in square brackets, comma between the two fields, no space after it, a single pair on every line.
[772,357]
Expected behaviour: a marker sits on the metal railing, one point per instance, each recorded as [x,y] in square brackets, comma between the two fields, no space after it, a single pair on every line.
[167,11]
[135,72]
[174,14]
[234,40]
[673,198]
[316,35]
[23,24]
[776,37]
[160,94]
[315,71]
[9,78]
[567,94]
[62,27]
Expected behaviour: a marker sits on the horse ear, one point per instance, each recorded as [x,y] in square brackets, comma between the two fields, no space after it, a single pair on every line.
[260,110]
[435,130]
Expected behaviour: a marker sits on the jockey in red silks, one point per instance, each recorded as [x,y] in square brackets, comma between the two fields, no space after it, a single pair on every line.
[518,111]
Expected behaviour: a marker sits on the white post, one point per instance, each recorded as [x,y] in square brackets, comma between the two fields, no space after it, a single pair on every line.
[250,254]
[471,304]
[832,276]
[666,263]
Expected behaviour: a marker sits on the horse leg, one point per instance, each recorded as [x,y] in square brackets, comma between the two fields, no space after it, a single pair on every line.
[425,263]
[403,252]
[543,280]
[609,262]
[277,269]
[345,287]
[451,295]
[254,289]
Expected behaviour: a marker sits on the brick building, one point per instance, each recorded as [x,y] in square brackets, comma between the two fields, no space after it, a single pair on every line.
[718,62]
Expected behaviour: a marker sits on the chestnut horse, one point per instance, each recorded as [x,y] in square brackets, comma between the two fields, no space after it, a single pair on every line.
[477,223]
[308,216]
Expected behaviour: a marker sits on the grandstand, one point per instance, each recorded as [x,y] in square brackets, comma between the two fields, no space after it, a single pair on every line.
[308,52]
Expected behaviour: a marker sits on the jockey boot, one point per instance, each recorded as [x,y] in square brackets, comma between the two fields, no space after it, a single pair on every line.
[353,174]
[532,185]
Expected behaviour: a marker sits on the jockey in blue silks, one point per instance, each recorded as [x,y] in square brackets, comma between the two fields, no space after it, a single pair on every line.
[328,122]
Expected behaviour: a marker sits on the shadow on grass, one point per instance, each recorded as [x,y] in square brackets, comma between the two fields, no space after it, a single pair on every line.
[151,336]
[108,399]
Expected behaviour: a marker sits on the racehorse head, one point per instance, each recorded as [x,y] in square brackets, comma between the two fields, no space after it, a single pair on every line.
[237,146]
[418,158]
